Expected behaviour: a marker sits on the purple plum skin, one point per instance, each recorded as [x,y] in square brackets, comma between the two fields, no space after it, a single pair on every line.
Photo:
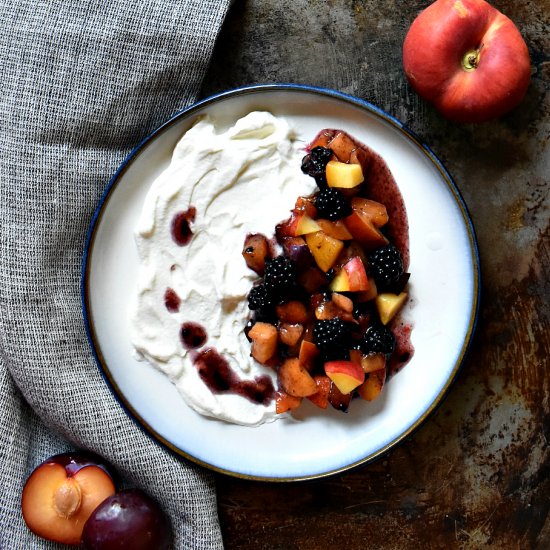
[298,251]
[127,520]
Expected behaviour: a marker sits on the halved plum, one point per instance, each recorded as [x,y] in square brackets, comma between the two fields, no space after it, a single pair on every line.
[128,520]
[61,494]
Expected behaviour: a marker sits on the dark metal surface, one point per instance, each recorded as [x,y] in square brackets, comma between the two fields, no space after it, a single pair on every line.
[476,475]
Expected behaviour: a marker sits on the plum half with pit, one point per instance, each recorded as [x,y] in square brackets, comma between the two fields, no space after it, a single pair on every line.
[127,520]
[62,492]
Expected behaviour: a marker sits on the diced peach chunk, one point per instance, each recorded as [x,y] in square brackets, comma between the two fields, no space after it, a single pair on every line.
[306,205]
[336,229]
[325,249]
[264,338]
[389,304]
[329,309]
[342,145]
[290,333]
[371,388]
[312,279]
[292,312]
[355,249]
[347,375]
[320,397]
[255,251]
[308,352]
[365,220]
[374,211]
[298,224]
[343,175]
[343,302]
[369,294]
[295,379]
[305,225]
[352,277]
[359,156]
[285,402]
[369,362]
[337,399]
[322,139]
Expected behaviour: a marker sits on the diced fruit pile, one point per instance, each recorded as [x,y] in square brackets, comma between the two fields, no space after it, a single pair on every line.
[71,498]
[322,310]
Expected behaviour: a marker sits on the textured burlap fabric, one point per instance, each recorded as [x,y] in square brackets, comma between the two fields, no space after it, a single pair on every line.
[82,83]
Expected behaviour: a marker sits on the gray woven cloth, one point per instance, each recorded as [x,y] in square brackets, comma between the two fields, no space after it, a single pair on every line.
[82,83]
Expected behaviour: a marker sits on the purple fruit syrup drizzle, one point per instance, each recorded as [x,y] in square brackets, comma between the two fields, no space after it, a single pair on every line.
[181,226]
[403,347]
[217,374]
[193,335]
[171,300]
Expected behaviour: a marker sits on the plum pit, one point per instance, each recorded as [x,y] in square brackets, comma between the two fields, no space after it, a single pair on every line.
[67,498]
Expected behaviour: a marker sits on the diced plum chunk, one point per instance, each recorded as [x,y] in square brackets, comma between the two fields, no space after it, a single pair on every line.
[297,250]
[335,229]
[337,399]
[255,251]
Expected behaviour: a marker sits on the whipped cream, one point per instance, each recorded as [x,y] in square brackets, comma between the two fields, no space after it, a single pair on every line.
[232,182]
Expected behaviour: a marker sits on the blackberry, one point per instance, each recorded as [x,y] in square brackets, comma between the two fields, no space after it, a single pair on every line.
[333,338]
[314,164]
[378,339]
[386,265]
[321,154]
[280,274]
[260,298]
[332,204]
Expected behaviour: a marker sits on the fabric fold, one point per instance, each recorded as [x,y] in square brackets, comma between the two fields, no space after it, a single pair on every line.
[82,84]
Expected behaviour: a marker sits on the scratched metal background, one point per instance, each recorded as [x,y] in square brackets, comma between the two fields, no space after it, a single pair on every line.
[476,475]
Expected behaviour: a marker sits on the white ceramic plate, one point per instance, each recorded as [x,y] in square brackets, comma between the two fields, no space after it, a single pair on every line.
[444,287]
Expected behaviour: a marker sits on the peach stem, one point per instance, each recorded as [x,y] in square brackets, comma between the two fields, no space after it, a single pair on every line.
[470,60]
